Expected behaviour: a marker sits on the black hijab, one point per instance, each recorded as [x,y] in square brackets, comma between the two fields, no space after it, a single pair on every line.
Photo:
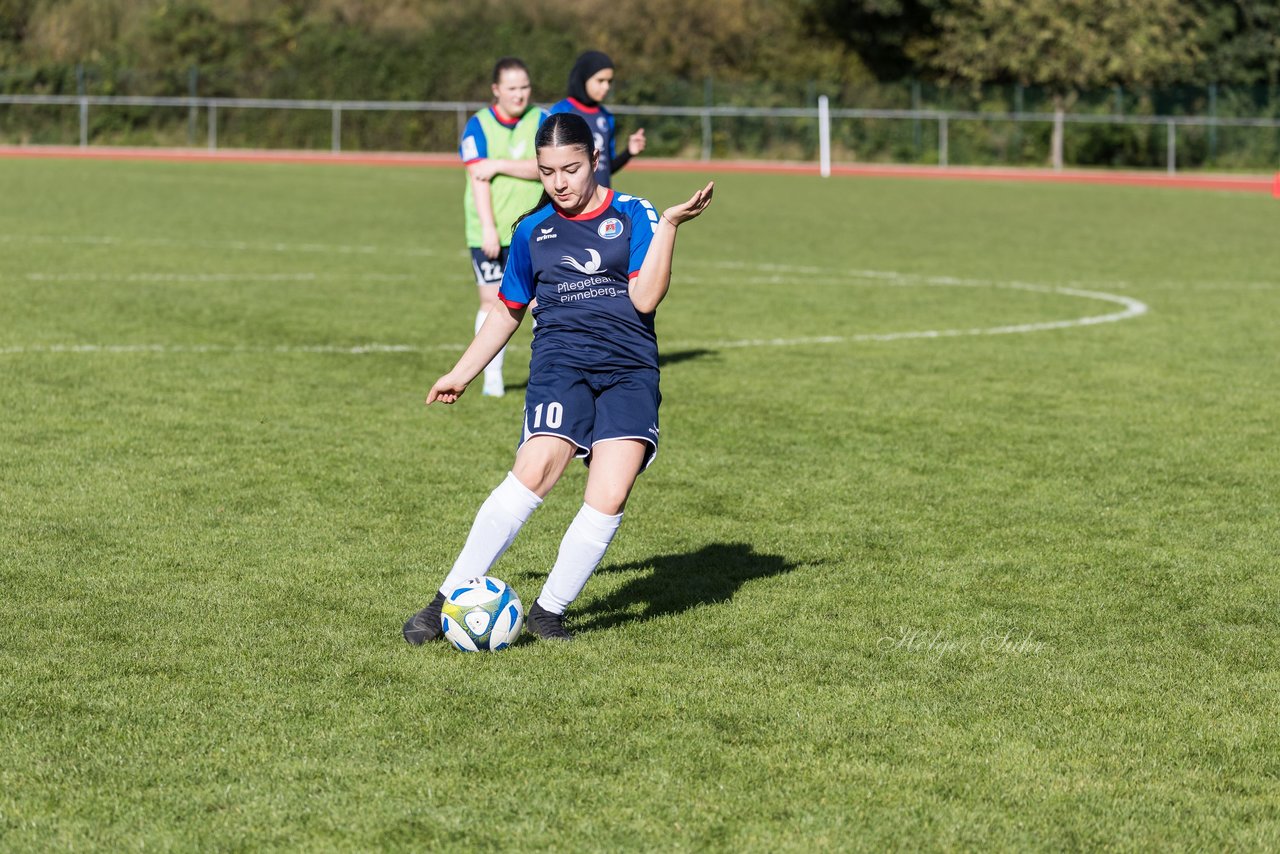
[588,65]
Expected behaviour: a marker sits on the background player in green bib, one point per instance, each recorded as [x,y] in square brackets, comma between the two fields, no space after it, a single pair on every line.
[502,183]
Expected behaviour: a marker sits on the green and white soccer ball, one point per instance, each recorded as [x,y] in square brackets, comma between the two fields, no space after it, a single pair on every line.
[483,614]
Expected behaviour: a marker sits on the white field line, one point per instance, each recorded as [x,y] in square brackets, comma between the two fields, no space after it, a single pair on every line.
[1131,308]
[231,245]
[213,278]
[356,350]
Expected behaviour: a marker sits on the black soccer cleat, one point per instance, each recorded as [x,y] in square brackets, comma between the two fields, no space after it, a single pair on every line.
[546,625]
[425,625]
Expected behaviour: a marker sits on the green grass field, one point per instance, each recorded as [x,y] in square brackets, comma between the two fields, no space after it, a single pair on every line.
[1011,585]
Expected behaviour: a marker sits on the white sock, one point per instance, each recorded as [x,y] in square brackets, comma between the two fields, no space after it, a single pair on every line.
[581,551]
[500,518]
[492,371]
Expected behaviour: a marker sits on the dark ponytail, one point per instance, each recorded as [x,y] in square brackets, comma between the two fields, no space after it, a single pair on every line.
[560,129]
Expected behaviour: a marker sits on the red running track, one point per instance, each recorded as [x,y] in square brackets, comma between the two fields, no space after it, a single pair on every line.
[1234,183]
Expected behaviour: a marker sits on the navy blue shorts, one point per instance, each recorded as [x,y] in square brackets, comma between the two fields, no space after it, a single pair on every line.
[586,407]
[488,270]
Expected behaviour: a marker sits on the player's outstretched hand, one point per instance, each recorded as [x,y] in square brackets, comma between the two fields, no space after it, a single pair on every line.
[446,390]
[636,142]
[678,214]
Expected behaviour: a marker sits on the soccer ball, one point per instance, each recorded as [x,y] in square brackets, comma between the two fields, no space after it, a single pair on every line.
[483,614]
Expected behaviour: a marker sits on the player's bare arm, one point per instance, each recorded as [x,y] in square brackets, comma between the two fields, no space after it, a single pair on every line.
[649,288]
[497,330]
[490,243]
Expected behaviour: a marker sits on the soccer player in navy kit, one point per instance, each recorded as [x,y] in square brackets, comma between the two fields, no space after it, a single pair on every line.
[589,84]
[598,264]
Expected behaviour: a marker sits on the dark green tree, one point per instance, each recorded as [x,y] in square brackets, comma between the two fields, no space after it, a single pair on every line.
[1064,46]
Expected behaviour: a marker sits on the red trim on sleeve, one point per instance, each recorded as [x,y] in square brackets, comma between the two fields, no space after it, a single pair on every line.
[592,214]
[473,160]
[581,106]
[511,304]
[632,275]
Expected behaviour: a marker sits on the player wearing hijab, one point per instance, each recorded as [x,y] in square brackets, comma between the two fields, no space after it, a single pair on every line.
[589,84]
[502,183]
[598,264]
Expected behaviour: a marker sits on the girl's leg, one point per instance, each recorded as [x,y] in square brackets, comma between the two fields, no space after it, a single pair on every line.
[539,463]
[615,465]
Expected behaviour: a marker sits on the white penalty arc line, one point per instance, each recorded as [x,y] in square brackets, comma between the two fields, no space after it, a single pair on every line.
[1131,308]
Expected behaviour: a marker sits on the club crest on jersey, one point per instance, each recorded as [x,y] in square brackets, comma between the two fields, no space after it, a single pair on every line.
[610,228]
[590,268]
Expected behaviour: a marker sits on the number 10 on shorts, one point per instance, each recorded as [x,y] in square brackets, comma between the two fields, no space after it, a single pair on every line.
[554,412]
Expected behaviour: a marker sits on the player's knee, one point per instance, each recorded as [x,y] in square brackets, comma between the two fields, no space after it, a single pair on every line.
[609,499]
[608,505]
[539,464]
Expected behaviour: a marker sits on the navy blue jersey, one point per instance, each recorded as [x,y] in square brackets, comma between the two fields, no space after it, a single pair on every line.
[603,128]
[579,269]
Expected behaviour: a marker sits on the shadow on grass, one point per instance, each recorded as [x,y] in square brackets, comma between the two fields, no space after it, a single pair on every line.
[679,356]
[679,582]
[664,359]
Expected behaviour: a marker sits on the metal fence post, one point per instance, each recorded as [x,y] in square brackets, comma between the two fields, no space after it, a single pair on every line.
[1213,124]
[1017,126]
[708,97]
[335,132]
[84,122]
[1058,145]
[915,121]
[193,77]
[944,140]
[213,125]
[1171,148]
[824,136]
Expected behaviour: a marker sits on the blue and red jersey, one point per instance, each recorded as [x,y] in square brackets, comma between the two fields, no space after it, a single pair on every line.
[579,270]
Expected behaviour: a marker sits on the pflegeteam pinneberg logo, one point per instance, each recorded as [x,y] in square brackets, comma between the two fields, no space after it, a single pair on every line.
[610,228]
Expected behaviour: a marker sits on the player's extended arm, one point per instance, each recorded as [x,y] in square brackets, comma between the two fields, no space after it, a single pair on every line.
[497,330]
[488,168]
[648,288]
[482,192]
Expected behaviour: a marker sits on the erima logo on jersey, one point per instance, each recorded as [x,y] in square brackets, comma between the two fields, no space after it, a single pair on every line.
[590,268]
[610,228]
[547,234]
